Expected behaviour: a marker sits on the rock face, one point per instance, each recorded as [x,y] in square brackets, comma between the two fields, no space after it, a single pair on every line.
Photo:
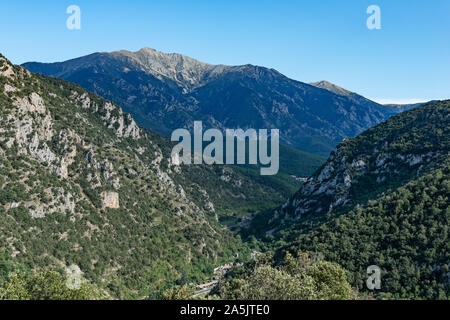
[110,200]
[169,91]
[6,70]
[187,72]
[378,161]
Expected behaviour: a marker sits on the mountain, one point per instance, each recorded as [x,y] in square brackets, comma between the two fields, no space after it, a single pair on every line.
[169,91]
[405,233]
[332,88]
[381,159]
[389,109]
[81,183]
[397,108]
[382,198]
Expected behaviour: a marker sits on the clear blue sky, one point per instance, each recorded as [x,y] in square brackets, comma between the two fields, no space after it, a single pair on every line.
[409,58]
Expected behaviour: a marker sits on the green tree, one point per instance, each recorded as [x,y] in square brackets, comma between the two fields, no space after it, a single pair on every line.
[300,278]
[46,285]
[178,293]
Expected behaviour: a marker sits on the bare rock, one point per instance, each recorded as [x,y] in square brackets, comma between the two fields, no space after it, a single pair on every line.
[110,200]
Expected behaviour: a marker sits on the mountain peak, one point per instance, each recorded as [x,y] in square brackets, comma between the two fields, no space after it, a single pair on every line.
[186,71]
[6,68]
[331,87]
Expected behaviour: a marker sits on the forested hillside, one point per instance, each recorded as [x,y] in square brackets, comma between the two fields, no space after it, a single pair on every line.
[405,233]
[374,163]
[82,184]
[382,199]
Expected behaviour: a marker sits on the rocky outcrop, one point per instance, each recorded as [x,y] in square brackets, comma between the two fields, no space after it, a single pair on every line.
[105,168]
[186,71]
[110,200]
[123,124]
[6,68]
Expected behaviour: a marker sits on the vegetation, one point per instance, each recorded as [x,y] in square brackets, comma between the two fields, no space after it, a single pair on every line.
[81,184]
[152,238]
[405,233]
[47,285]
[184,292]
[299,278]
[382,199]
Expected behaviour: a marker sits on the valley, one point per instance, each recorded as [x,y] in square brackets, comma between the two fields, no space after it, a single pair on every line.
[83,183]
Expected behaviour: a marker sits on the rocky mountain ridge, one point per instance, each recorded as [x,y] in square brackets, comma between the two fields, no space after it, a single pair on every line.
[169,91]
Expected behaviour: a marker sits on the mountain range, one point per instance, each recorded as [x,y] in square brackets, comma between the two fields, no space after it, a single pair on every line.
[84,182]
[169,91]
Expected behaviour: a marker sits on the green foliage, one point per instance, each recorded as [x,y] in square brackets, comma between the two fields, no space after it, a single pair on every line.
[299,278]
[178,293]
[404,233]
[396,209]
[156,237]
[46,285]
[6,266]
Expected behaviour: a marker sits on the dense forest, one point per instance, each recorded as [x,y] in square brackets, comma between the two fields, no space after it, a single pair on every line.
[382,199]
[404,233]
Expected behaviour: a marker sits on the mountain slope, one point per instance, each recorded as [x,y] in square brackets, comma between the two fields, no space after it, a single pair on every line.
[169,91]
[378,161]
[405,233]
[397,108]
[332,88]
[389,109]
[81,183]
[381,198]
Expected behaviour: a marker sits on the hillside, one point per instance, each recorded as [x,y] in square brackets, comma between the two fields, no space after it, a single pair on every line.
[381,198]
[405,233]
[388,109]
[380,160]
[81,183]
[397,108]
[332,88]
[169,91]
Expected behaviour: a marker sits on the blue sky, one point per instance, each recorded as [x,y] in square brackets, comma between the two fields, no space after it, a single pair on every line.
[408,59]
